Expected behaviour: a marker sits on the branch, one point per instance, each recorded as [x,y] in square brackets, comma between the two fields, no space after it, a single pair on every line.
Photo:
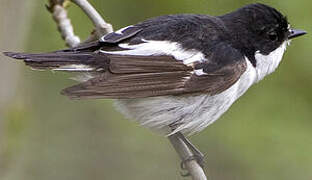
[59,14]
[193,168]
[101,27]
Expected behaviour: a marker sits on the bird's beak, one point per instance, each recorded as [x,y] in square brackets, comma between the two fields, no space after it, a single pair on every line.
[296,33]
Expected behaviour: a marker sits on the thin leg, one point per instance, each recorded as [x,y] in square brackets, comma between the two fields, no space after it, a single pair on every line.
[198,156]
[189,161]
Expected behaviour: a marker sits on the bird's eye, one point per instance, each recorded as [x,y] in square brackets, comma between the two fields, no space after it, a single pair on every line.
[272,36]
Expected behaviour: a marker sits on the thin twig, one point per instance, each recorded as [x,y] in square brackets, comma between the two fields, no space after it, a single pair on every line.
[59,14]
[193,168]
[101,27]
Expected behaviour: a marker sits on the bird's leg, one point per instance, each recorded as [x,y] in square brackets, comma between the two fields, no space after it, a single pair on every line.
[192,158]
[197,155]
[188,161]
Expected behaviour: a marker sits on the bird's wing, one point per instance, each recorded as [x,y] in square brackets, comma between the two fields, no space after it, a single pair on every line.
[168,55]
[138,72]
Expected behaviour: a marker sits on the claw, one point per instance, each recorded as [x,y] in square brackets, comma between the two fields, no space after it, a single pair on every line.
[199,159]
[182,165]
[193,154]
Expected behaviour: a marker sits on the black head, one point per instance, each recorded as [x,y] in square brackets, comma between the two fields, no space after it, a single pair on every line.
[258,27]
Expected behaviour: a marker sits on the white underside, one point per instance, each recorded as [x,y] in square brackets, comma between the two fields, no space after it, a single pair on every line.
[191,114]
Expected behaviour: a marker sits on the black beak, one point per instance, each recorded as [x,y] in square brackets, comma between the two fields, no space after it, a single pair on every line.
[296,33]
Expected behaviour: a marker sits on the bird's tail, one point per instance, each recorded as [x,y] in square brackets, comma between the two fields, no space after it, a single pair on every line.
[79,60]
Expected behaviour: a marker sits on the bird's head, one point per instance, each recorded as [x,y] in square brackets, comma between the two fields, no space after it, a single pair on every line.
[259,29]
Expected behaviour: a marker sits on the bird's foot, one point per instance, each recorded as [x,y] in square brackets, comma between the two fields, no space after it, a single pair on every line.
[198,158]
[197,155]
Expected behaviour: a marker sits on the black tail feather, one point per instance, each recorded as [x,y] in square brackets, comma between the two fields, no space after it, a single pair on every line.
[63,60]
[15,55]
[81,58]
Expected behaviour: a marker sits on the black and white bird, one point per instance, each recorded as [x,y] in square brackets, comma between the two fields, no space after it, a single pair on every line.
[176,73]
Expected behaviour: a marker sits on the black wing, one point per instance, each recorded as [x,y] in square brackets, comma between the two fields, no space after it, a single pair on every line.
[133,76]
[149,76]
[139,85]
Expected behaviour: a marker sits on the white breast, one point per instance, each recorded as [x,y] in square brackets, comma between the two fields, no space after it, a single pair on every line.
[266,64]
[190,114]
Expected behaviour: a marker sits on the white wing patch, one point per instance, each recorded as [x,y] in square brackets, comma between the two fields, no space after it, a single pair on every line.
[120,31]
[156,48]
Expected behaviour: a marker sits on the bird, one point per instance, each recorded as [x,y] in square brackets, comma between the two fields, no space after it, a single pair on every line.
[175,74]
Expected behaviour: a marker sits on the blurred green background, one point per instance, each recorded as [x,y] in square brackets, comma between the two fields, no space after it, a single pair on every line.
[266,135]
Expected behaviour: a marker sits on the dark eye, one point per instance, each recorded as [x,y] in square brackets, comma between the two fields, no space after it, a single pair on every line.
[272,36]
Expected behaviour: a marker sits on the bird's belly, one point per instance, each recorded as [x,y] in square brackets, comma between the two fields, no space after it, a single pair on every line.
[187,114]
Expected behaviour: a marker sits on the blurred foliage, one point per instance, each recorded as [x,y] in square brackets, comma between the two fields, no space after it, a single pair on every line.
[265,135]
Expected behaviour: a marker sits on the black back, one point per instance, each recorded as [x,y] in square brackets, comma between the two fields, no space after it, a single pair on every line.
[255,27]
